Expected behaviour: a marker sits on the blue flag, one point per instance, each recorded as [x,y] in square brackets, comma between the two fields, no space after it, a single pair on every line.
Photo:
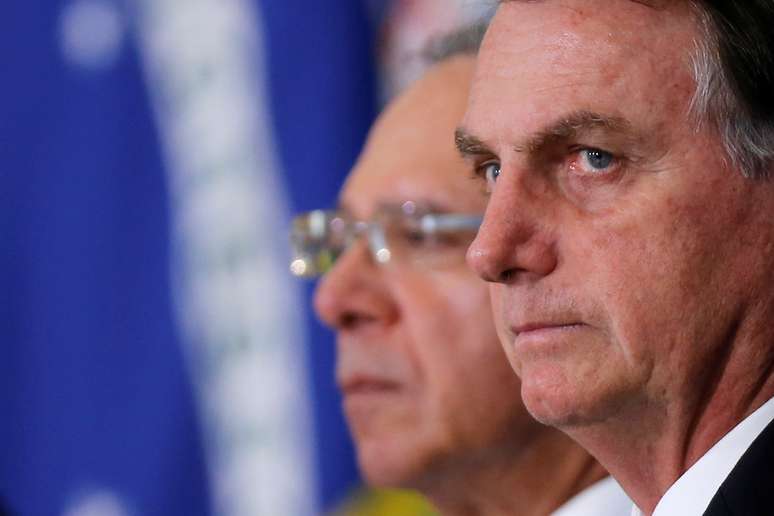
[157,358]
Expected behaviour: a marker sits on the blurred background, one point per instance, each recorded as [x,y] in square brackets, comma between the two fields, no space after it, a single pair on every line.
[156,356]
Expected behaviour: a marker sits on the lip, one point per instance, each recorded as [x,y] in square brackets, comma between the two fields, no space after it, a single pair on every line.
[361,385]
[543,335]
[541,327]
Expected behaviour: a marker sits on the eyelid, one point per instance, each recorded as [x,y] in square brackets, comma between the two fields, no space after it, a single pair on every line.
[479,168]
[618,161]
[581,147]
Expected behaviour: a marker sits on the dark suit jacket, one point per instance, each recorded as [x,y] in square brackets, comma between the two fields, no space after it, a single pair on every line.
[749,489]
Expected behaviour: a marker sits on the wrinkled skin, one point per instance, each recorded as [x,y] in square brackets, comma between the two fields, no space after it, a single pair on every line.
[630,262]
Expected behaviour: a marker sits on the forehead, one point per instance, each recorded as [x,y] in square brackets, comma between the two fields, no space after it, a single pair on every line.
[549,57]
[410,153]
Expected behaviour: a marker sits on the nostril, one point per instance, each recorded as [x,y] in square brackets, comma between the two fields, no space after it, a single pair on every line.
[350,320]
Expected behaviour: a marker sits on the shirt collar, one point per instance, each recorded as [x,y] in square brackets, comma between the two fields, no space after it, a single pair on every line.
[604,498]
[693,491]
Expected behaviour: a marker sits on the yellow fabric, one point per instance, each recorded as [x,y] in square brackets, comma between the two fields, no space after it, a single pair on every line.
[386,503]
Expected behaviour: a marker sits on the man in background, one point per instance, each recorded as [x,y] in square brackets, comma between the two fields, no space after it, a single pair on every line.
[627,147]
[428,395]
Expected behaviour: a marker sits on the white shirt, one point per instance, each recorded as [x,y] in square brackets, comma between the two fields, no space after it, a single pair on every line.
[604,498]
[693,491]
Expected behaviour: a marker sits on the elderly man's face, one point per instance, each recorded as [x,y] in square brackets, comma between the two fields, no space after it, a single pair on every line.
[625,251]
[425,382]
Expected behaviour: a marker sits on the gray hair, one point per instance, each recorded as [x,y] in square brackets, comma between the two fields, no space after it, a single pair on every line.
[463,41]
[733,67]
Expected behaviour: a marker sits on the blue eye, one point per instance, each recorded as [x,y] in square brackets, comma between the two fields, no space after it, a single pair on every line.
[595,160]
[490,171]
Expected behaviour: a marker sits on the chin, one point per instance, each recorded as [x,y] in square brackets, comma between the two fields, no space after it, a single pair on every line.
[573,407]
[550,412]
[388,464]
[554,399]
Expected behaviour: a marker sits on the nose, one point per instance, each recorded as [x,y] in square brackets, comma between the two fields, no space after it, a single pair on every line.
[513,242]
[353,294]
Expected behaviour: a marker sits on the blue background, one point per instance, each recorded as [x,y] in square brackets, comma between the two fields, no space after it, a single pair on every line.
[93,388]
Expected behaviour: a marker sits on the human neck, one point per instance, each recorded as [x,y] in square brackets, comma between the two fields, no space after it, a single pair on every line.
[648,446]
[522,481]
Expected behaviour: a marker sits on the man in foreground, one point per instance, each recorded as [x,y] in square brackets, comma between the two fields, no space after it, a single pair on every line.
[428,395]
[627,147]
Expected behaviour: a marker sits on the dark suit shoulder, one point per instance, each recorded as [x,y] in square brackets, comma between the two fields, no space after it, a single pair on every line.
[749,489]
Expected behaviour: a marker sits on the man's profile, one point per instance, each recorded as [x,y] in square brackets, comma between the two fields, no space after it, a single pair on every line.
[627,147]
[429,396]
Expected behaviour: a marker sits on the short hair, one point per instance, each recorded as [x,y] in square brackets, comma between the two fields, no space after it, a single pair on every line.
[733,66]
[734,72]
[465,40]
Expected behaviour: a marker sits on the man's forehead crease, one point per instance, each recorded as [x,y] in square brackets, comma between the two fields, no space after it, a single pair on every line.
[520,46]
[571,25]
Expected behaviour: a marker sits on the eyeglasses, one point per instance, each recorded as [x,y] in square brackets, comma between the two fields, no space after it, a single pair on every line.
[408,233]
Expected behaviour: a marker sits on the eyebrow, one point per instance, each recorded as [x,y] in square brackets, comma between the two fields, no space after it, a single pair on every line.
[468,145]
[570,126]
[562,129]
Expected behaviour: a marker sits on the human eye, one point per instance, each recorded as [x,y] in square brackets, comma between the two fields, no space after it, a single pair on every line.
[414,237]
[591,161]
[421,239]
[489,171]
[430,232]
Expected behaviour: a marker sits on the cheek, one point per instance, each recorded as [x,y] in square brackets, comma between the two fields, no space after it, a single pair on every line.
[451,329]
[635,271]
[497,295]
[655,271]
[441,309]
[472,396]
